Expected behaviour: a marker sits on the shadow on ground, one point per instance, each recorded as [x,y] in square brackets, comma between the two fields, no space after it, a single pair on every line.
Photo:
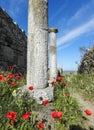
[77,127]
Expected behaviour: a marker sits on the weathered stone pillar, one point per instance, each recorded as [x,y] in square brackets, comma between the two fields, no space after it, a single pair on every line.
[37,54]
[53,60]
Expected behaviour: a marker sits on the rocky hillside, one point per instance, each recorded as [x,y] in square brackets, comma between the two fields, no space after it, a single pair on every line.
[87,62]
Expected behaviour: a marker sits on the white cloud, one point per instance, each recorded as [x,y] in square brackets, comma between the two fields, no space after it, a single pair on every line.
[59,11]
[78,14]
[85,28]
[82,12]
[56,14]
[64,46]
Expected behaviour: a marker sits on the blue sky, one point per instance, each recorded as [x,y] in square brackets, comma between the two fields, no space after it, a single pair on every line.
[74,20]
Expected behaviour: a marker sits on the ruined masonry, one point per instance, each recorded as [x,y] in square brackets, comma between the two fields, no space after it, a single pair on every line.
[13,44]
[87,62]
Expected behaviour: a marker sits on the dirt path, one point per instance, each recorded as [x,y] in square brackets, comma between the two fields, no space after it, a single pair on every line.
[85,105]
[44,115]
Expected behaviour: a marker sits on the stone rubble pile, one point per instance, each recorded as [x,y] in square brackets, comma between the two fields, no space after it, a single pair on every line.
[87,62]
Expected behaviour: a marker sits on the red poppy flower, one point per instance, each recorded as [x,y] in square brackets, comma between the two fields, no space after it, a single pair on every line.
[25,116]
[45,102]
[64,84]
[52,82]
[11,115]
[10,76]
[30,87]
[1,77]
[59,78]
[11,67]
[67,94]
[18,76]
[54,114]
[13,84]
[88,112]
[59,114]
[41,125]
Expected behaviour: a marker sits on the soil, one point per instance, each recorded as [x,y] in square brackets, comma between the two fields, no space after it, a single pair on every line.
[44,115]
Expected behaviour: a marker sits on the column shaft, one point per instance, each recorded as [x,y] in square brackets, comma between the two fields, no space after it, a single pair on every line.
[37,54]
[53,60]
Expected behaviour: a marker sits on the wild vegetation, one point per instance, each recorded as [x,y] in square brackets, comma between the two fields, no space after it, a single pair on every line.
[16,109]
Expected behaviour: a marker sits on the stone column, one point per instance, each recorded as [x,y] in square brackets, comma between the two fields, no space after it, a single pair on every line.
[53,61]
[37,54]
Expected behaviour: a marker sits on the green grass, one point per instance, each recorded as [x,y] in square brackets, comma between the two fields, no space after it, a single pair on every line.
[63,101]
[83,84]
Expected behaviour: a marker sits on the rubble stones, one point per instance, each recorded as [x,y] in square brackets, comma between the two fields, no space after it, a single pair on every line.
[87,62]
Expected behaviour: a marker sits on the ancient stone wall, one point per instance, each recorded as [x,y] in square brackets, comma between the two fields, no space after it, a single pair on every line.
[13,44]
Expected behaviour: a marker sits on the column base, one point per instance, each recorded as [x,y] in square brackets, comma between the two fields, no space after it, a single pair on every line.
[39,95]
